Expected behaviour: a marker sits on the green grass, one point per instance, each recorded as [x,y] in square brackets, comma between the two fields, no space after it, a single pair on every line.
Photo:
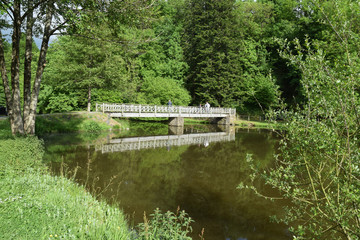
[239,123]
[40,206]
[5,131]
[77,122]
[257,124]
[19,155]
[195,121]
[36,205]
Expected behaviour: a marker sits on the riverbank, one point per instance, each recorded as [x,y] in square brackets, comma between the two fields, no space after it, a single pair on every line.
[96,122]
[77,122]
[240,123]
[35,204]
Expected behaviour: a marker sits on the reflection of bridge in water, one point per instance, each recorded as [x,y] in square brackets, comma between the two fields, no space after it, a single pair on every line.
[137,143]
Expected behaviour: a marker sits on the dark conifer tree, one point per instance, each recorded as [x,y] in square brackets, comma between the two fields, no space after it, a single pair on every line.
[211,49]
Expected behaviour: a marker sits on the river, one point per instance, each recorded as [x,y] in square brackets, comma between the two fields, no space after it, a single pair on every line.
[197,169]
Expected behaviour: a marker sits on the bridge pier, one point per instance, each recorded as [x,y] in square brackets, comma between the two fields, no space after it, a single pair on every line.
[229,120]
[176,130]
[176,121]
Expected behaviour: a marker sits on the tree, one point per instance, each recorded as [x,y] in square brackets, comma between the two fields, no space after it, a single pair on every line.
[54,17]
[83,64]
[162,66]
[226,55]
[147,66]
[318,166]
[211,51]
[51,17]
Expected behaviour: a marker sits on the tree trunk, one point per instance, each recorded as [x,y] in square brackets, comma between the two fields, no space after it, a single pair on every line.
[89,99]
[5,77]
[30,121]
[27,66]
[16,120]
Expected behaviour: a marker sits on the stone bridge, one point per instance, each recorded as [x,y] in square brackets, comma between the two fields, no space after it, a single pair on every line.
[176,114]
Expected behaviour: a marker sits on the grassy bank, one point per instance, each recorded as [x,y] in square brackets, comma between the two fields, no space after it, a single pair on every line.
[239,123]
[77,122]
[34,204]
[257,124]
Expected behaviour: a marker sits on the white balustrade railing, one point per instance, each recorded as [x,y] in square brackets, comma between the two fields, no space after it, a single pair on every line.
[141,108]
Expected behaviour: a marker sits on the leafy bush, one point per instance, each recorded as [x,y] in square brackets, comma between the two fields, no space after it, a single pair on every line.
[318,166]
[61,103]
[157,90]
[166,226]
[92,127]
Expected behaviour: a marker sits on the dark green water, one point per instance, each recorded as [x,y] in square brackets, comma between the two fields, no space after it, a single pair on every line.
[166,172]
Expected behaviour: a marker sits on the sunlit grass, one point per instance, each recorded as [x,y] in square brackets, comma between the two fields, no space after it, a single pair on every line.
[38,206]
[76,122]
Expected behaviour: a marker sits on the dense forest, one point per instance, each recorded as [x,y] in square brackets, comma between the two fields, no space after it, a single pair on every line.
[297,59]
[223,52]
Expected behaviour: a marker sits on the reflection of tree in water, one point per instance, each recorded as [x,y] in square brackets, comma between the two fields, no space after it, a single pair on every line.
[210,183]
[201,180]
[145,178]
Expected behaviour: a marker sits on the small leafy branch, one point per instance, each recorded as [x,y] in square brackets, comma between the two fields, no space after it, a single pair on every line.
[167,226]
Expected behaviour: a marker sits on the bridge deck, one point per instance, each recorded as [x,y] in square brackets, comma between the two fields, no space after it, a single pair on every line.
[138,110]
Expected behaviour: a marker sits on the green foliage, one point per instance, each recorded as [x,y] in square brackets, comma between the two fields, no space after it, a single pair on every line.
[225,48]
[160,90]
[318,166]
[211,49]
[2,97]
[61,102]
[108,96]
[167,226]
[92,127]
[321,150]
[81,65]
[106,68]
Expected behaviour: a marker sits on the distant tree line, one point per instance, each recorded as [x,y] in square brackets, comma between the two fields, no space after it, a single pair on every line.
[190,51]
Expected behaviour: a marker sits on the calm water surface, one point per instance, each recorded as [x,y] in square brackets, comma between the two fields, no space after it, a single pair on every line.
[152,167]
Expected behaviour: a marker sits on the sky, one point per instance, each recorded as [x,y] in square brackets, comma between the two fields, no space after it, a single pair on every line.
[7,35]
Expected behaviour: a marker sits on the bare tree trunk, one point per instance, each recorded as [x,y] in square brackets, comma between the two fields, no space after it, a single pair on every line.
[89,99]
[27,65]
[5,77]
[30,121]
[16,120]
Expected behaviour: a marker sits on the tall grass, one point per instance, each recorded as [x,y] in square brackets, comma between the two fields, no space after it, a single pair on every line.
[38,206]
